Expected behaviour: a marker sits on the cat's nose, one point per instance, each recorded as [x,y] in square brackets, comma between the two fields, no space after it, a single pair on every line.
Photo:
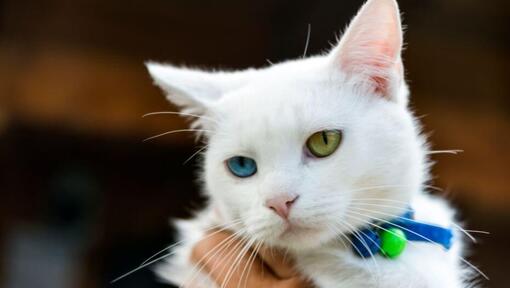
[281,204]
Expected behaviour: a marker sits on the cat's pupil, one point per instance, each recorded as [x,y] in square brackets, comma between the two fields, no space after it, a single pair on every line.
[325,137]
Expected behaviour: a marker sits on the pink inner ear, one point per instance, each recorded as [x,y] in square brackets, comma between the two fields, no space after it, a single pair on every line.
[381,85]
[371,45]
[382,82]
[378,70]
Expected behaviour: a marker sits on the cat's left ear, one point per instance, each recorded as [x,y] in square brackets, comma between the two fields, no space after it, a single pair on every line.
[369,52]
[194,90]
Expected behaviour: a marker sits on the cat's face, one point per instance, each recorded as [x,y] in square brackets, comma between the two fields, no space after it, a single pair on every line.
[325,142]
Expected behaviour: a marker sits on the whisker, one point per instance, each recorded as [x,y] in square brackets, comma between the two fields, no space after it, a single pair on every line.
[224,227]
[161,251]
[344,236]
[381,199]
[417,234]
[379,205]
[141,267]
[224,247]
[148,262]
[219,248]
[233,237]
[474,268]
[365,244]
[249,264]
[341,234]
[338,231]
[175,131]
[378,187]
[307,39]
[478,231]
[239,258]
[241,247]
[453,152]
[455,225]
[195,154]
[199,265]
[180,114]
[405,263]
[396,225]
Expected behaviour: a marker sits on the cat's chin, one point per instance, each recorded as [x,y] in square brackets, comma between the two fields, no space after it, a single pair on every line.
[296,238]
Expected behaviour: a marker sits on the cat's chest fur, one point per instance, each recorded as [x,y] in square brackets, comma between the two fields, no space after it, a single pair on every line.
[334,264]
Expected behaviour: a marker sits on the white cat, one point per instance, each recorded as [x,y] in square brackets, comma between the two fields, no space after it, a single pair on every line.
[305,151]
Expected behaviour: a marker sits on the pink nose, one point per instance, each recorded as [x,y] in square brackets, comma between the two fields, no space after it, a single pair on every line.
[281,204]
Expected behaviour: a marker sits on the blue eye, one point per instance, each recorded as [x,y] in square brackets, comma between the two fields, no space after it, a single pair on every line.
[242,166]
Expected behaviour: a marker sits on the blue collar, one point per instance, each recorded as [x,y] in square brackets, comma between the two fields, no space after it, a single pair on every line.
[390,237]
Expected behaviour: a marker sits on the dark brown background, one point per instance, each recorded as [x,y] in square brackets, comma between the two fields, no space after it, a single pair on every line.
[79,187]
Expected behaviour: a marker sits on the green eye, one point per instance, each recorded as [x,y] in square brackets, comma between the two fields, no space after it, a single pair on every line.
[324,143]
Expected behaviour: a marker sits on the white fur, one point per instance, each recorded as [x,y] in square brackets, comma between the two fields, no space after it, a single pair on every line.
[267,114]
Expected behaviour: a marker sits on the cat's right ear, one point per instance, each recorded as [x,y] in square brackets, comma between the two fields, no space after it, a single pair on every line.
[194,90]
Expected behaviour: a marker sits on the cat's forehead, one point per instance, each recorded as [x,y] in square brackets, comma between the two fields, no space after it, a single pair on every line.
[283,105]
[275,104]
[276,113]
[281,88]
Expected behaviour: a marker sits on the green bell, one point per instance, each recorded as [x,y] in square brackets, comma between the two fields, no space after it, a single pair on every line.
[393,242]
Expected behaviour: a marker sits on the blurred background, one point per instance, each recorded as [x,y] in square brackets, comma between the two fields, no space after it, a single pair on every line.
[83,199]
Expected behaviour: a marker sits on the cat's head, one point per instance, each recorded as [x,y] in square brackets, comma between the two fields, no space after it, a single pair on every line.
[303,150]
